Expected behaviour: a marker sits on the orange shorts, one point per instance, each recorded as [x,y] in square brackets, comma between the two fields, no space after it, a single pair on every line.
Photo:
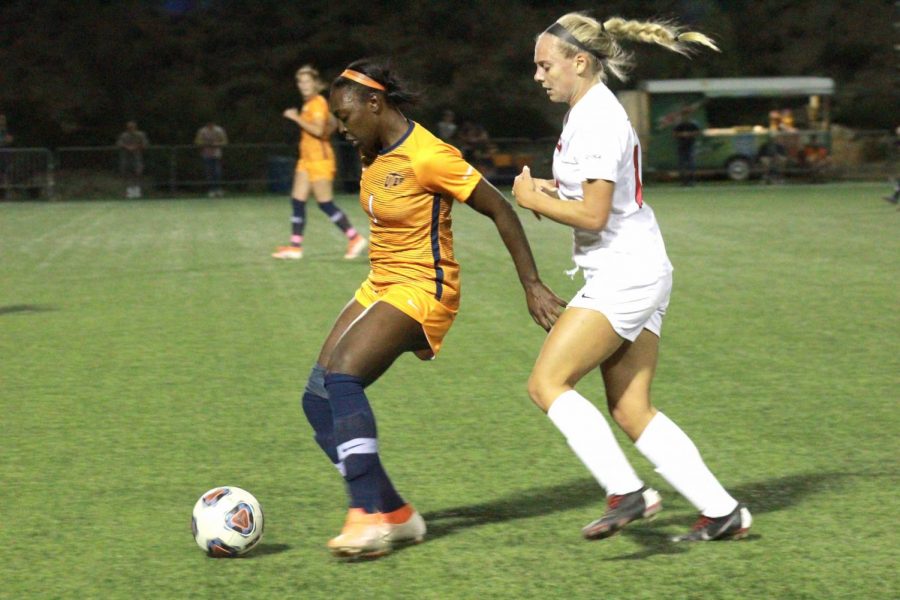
[418,304]
[317,170]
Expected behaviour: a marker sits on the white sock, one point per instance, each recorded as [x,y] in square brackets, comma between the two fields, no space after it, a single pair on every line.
[677,459]
[592,440]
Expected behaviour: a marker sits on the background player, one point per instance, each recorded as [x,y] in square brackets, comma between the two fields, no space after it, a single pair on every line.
[315,168]
[410,297]
[614,322]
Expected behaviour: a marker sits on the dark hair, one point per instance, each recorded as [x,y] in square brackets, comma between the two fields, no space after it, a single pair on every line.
[397,92]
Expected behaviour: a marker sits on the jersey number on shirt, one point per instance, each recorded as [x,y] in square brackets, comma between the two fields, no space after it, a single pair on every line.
[638,187]
[372,208]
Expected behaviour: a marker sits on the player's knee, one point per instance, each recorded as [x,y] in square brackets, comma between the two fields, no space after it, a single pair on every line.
[621,415]
[540,392]
[349,360]
[632,417]
[315,385]
[339,363]
[316,405]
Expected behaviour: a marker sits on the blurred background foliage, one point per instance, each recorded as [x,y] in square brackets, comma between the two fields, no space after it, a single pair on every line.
[72,73]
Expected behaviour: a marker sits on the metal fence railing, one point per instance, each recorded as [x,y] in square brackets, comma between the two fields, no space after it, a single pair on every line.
[864,154]
[26,172]
[86,172]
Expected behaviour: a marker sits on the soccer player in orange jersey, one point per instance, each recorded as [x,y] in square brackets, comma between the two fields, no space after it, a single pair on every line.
[315,168]
[410,181]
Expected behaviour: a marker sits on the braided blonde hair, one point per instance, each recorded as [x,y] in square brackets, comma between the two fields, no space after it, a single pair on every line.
[602,40]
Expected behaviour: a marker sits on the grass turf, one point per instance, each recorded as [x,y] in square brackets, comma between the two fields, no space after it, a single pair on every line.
[152,350]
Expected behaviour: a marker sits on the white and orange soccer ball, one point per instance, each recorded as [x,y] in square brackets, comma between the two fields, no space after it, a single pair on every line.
[227,521]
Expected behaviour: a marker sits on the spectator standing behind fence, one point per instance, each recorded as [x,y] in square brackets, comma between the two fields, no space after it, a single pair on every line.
[477,147]
[6,140]
[132,142]
[894,198]
[773,155]
[446,127]
[211,138]
[686,133]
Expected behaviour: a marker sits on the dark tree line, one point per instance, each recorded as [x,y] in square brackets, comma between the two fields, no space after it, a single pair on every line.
[72,73]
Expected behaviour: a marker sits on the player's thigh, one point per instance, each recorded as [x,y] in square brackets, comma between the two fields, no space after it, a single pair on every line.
[374,341]
[300,189]
[628,374]
[323,190]
[580,341]
[349,313]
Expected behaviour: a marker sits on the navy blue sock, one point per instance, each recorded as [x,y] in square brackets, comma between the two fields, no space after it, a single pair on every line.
[357,446]
[335,215]
[298,217]
[318,412]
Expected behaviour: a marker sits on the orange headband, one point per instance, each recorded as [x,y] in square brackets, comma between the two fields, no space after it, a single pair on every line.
[363,79]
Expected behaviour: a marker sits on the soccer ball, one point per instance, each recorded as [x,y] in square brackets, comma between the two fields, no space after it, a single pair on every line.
[227,521]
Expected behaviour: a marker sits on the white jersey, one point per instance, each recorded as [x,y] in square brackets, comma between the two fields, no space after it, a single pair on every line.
[598,142]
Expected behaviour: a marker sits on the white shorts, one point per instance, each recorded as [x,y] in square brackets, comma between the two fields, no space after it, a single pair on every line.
[632,301]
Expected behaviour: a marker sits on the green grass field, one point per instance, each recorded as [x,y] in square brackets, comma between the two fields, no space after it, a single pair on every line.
[152,350]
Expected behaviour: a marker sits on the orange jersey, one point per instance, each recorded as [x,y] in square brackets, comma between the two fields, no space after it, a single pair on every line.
[408,192]
[315,110]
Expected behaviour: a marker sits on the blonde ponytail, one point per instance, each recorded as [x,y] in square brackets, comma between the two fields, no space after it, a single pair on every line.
[601,40]
[663,34]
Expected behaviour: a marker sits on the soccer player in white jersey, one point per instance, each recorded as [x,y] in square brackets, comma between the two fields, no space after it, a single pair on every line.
[614,321]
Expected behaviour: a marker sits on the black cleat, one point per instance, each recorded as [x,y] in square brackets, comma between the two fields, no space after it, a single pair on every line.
[733,526]
[622,510]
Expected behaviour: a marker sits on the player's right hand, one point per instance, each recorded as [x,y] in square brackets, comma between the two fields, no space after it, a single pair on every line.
[544,305]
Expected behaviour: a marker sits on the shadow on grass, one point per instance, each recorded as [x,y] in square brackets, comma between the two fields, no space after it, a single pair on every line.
[528,503]
[764,496]
[13,309]
[769,495]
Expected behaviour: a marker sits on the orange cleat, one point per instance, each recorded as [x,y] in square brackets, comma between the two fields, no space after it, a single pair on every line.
[355,247]
[288,253]
[364,536]
[405,526]
[370,535]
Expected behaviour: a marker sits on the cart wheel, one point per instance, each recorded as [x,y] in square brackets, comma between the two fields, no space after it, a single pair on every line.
[738,169]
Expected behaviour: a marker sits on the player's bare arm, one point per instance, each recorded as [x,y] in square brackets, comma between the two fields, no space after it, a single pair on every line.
[544,305]
[316,128]
[591,213]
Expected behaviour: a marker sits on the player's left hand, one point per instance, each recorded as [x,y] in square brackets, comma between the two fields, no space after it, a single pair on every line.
[523,187]
[544,305]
